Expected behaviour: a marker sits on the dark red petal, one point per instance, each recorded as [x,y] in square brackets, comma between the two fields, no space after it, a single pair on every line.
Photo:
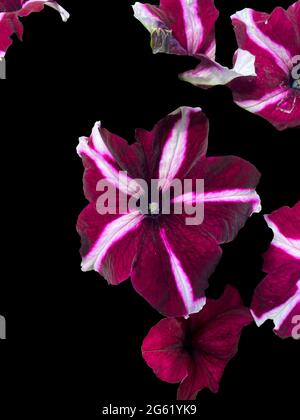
[173,265]
[10,5]
[229,195]
[216,332]
[294,14]
[277,296]
[109,242]
[163,350]
[9,24]
[196,351]
[229,301]
[204,372]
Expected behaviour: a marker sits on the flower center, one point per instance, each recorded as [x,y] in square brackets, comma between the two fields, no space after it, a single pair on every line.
[296,84]
[154,208]
[188,344]
[155,204]
[295,74]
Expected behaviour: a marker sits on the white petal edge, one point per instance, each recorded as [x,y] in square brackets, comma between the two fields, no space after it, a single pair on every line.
[63,13]
[215,74]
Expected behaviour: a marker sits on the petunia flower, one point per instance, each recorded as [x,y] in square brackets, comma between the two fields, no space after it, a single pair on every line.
[187,27]
[196,351]
[274,40]
[180,27]
[169,260]
[273,43]
[12,10]
[277,297]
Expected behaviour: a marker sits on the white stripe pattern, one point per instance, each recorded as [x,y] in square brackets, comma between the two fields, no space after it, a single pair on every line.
[173,154]
[99,156]
[193,25]
[211,73]
[289,245]
[281,312]
[111,234]
[182,281]
[280,54]
[223,196]
[257,105]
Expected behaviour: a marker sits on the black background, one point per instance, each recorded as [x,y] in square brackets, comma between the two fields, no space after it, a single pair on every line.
[73,342]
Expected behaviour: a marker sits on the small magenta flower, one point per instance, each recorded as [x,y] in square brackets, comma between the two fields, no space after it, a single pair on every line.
[12,10]
[277,297]
[169,261]
[195,351]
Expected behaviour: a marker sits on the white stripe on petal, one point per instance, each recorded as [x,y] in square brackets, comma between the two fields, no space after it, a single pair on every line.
[182,281]
[288,245]
[210,73]
[144,15]
[193,25]
[224,196]
[173,154]
[112,233]
[99,154]
[279,314]
[211,50]
[257,105]
[280,54]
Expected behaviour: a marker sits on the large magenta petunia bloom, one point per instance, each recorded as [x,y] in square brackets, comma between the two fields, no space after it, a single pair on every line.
[277,297]
[195,351]
[187,27]
[12,10]
[168,260]
[273,43]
